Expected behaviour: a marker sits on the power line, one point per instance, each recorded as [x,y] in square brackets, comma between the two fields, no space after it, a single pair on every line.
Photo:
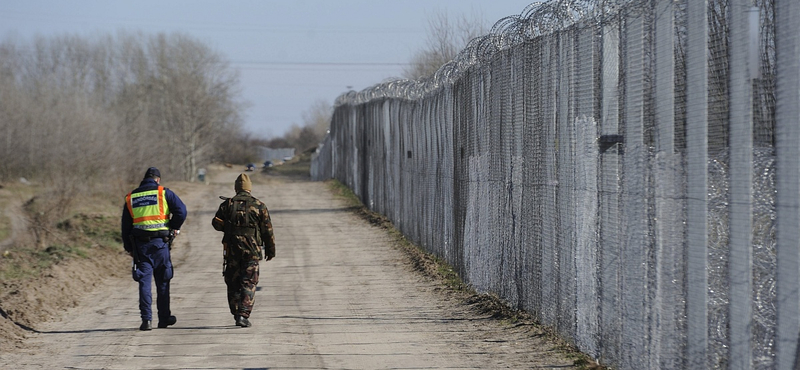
[202,26]
[271,63]
[297,63]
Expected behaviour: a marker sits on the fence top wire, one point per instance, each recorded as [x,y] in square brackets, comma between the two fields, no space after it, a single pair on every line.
[537,19]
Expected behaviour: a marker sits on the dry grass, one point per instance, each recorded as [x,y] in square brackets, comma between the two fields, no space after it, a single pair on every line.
[49,266]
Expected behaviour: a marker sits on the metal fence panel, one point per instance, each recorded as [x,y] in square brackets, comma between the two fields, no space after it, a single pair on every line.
[627,172]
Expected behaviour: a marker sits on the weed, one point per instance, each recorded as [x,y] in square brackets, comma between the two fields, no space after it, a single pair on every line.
[75,237]
[340,190]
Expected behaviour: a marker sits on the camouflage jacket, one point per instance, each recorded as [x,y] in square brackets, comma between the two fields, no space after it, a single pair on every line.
[247,226]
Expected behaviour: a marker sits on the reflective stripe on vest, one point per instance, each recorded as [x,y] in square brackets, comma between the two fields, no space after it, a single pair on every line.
[149,209]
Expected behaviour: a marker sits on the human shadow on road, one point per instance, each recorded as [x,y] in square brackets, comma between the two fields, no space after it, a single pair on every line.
[20,325]
[87,331]
[378,319]
[312,210]
[274,211]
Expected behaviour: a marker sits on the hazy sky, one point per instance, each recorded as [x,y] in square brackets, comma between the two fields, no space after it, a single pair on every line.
[289,53]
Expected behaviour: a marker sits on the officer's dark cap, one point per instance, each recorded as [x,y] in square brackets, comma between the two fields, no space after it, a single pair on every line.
[152,172]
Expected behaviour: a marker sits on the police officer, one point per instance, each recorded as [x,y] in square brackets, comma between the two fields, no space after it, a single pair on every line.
[247,226]
[151,218]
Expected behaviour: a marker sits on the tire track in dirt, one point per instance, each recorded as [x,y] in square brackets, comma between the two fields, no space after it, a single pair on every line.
[14,214]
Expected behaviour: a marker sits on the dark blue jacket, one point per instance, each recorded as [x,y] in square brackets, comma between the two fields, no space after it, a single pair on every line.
[177,211]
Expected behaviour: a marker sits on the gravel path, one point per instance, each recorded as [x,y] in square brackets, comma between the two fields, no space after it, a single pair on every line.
[337,296]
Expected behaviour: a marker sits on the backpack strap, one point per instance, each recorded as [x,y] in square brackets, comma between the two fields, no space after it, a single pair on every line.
[239,221]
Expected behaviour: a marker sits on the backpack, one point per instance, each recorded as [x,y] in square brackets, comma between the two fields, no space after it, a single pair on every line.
[242,221]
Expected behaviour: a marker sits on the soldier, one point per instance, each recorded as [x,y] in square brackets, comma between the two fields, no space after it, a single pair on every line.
[151,218]
[247,226]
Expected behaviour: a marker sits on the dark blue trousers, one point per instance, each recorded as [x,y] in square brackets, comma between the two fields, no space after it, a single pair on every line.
[154,264]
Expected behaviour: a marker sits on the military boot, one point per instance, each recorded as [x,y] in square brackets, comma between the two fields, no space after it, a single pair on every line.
[170,321]
[146,325]
[243,322]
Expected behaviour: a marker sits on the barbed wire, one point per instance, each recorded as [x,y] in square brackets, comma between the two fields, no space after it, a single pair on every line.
[535,20]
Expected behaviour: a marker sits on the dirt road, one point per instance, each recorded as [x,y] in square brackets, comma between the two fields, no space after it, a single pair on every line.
[337,296]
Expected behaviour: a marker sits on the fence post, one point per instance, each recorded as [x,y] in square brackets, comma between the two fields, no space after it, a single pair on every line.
[697,184]
[667,346]
[741,187]
[635,193]
[564,194]
[587,155]
[787,127]
[610,222]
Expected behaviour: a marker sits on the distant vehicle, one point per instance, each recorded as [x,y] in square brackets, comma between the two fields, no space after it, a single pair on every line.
[251,167]
[287,159]
[268,164]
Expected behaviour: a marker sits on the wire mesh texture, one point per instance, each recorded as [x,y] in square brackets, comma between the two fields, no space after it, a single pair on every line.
[626,171]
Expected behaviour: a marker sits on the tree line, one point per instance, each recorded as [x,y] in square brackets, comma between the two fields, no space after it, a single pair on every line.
[81,110]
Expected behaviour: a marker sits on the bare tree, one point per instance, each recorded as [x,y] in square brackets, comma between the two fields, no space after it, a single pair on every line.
[195,90]
[10,112]
[316,120]
[74,109]
[238,148]
[444,41]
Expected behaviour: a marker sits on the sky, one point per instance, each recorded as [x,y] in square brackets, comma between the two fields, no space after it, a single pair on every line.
[290,54]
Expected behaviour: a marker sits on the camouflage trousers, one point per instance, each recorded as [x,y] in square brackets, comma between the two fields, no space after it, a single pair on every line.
[241,277]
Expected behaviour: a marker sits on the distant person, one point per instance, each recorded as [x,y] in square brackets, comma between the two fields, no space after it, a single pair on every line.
[247,226]
[151,218]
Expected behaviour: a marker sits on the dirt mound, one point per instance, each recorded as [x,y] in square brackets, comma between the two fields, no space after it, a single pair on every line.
[50,268]
[25,303]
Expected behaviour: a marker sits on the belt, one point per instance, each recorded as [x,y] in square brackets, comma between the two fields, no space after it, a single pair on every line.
[146,236]
[150,227]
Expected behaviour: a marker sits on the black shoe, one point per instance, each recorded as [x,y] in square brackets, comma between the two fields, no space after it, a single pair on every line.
[170,321]
[146,325]
[243,322]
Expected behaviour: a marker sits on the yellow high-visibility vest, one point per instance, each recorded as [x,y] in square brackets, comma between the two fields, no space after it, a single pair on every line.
[149,209]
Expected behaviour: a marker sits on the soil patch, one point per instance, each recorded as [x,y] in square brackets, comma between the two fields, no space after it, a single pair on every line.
[25,303]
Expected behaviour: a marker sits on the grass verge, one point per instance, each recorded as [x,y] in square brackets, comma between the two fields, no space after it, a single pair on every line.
[64,248]
[5,226]
[79,236]
[49,240]
[299,166]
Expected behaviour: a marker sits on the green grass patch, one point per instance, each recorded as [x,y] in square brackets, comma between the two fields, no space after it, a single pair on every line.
[102,229]
[26,262]
[79,236]
[291,169]
[60,252]
[299,166]
[5,227]
[340,190]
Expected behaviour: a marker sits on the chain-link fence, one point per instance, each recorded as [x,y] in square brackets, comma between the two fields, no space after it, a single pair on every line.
[626,171]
